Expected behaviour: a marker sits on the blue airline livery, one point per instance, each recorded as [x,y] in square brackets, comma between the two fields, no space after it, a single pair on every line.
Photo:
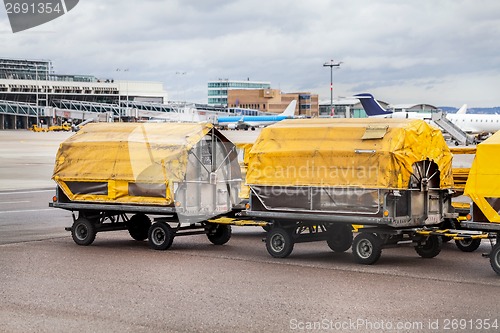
[256,121]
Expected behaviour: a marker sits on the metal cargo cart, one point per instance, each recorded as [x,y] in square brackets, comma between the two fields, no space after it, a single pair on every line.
[114,175]
[483,187]
[311,179]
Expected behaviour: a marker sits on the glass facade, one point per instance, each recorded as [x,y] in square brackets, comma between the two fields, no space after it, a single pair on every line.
[217,101]
[218,90]
[37,70]
[221,92]
[239,84]
[25,69]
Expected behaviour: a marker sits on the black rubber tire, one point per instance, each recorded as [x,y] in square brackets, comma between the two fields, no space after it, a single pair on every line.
[470,245]
[340,238]
[138,226]
[219,234]
[366,248]
[279,242]
[160,236]
[431,247]
[495,258]
[83,231]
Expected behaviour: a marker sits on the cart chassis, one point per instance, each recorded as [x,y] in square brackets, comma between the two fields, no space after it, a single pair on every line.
[95,218]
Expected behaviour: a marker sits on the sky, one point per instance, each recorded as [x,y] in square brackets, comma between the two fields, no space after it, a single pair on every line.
[444,53]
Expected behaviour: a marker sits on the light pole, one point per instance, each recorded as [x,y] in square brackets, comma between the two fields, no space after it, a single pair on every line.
[44,72]
[36,97]
[179,74]
[119,95]
[331,64]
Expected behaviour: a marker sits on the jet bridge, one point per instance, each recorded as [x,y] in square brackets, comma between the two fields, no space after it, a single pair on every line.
[460,137]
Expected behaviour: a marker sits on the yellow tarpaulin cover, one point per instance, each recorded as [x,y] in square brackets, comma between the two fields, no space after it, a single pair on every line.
[123,157]
[484,176]
[366,153]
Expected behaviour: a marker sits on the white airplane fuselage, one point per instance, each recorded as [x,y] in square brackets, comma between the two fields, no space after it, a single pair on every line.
[476,123]
[468,122]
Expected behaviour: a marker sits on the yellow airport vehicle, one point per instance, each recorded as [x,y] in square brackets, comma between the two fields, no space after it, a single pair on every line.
[54,128]
[59,128]
[461,177]
[483,187]
[311,179]
[36,128]
[112,176]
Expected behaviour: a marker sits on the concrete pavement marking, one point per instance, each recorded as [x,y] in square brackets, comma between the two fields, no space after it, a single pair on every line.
[13,202]
[27,210]
[25,192]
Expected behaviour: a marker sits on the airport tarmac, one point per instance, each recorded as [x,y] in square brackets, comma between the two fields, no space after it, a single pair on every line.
[49,284]
[27,158]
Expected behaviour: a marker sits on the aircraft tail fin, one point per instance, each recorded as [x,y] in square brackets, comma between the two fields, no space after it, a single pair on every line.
[463,109]
[290,109]
[371,106]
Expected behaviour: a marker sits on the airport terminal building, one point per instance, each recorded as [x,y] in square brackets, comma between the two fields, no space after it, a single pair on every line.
[218,90]
[273,101]
[31,93]
[259,96]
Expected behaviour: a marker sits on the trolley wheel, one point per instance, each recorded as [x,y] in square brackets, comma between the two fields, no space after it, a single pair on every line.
[340,238]
[161,236]
[83,231]
[495,258]
[219,234]
[138,227]
[431,248]
[366,248]
[468,245]
[279,243]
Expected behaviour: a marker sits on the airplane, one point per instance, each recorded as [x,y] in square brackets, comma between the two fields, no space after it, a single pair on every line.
[462,110]
[245,122]
[469,123]
[374,109]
